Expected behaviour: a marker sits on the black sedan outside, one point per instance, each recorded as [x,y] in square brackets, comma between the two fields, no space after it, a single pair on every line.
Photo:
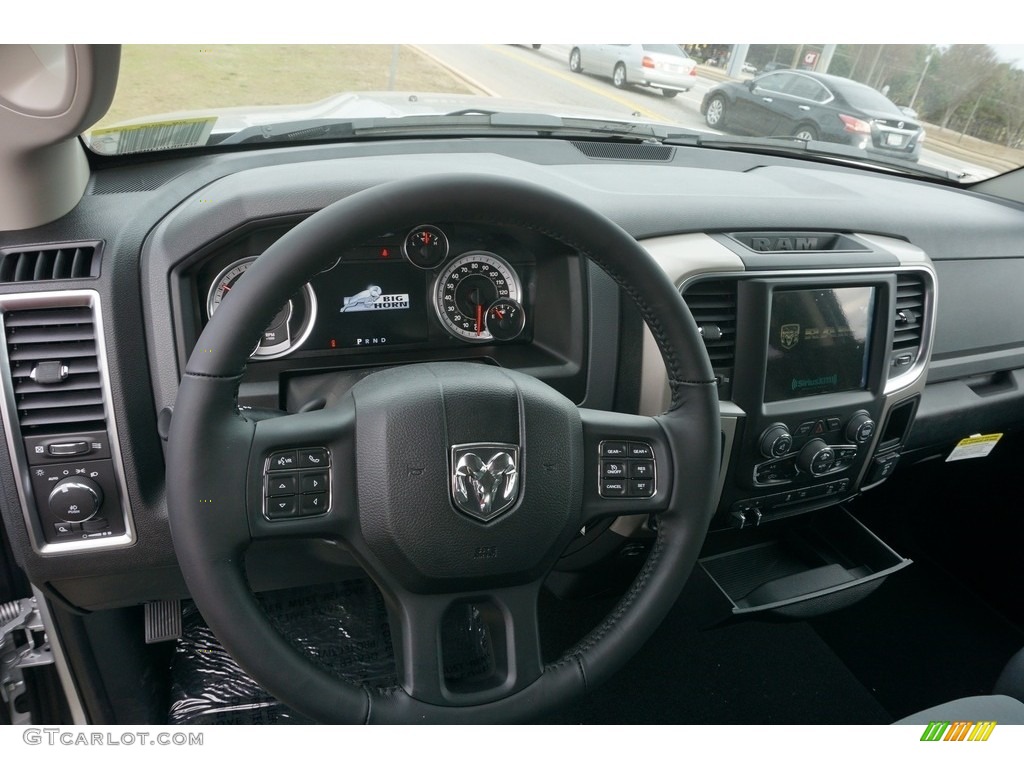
[812,106]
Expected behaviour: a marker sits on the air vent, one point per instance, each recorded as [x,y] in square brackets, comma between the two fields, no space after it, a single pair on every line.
[713,306]
[62,262]
[908,322]
[54,369]
[616,151]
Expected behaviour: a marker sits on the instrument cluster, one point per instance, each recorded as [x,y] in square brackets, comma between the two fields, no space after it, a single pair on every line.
[431,285]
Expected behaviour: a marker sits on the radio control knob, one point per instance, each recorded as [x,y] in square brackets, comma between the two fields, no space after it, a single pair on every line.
[816,458]
[75,500]
[860,427]
[776,441]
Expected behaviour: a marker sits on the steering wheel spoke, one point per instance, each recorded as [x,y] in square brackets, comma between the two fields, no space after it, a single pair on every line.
[301,475]
[469,648]
[629,465]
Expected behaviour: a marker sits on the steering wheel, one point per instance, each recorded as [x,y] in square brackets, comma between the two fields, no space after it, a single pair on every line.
[452,484]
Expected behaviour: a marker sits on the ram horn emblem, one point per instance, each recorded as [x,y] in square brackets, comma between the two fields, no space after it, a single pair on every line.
[789,335]
[485,478]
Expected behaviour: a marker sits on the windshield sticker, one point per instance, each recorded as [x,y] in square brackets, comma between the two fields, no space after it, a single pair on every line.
[152,137]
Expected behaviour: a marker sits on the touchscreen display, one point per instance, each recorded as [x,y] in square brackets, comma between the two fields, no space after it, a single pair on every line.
[369,304]
[818,341]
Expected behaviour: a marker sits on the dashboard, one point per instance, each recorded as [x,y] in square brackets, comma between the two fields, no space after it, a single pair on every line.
[841,310]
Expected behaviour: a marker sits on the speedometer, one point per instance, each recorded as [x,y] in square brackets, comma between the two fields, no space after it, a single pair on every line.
[467,287]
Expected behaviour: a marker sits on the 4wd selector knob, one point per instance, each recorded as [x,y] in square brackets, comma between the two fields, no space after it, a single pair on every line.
[816,458]
[860,427]
[776,441]
[75,499]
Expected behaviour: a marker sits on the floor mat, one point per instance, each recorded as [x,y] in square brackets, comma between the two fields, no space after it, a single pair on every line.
[697,670]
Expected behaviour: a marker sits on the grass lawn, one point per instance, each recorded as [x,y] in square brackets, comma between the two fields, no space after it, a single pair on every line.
[168,78]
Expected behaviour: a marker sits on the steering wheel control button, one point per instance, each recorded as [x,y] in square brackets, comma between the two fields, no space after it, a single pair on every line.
[640,451]
[282,507]
[313,457]
[282,485]
[612,450]
[633,478]
[314,482]
[613,469]
[290,493]
[313,503]
[283,460]
[641,488]
[641,470]
[613,487]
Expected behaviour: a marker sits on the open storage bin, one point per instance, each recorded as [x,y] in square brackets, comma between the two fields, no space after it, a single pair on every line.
[805,566]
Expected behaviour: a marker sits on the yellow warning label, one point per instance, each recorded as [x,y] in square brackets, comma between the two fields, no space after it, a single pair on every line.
[974,447]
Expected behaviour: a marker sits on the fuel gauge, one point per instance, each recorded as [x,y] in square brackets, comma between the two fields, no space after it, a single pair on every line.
[505,319]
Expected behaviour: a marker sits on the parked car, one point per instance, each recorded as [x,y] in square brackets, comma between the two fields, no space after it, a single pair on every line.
[814,107]
[655,66]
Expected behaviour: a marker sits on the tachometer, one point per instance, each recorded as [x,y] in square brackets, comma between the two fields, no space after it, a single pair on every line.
[467,287]
[291,325]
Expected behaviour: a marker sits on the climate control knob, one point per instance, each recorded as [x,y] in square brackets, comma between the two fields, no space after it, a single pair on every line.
[816,458]
[860,427]
[776,441]
[75,499]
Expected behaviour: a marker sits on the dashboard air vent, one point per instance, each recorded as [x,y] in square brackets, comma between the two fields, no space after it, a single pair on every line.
[54,368]
[713,306]
[61,262]
[909,317]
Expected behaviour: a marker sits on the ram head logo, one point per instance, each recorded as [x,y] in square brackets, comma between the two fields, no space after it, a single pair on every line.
[485,478]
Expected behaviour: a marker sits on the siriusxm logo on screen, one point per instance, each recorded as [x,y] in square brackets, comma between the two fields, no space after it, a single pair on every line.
[822,381]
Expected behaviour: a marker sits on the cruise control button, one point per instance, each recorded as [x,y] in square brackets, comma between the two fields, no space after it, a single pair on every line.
[613,469]
[641,488]
[613,487]
[641,469]
[313,457]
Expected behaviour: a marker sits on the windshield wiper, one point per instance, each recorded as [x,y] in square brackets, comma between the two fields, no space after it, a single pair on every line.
[472,121]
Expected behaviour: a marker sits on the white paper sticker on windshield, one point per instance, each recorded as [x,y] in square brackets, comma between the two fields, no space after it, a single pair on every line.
[974,447]
[152,137]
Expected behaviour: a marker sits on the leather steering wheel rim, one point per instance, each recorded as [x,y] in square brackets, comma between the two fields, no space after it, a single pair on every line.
[207,428]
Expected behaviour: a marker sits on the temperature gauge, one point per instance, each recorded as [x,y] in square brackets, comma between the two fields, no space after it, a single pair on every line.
[426,247]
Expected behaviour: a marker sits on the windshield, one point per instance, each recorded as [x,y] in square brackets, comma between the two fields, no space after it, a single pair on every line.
[951,111]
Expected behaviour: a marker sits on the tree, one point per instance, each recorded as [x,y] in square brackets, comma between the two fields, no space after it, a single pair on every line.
[957,75]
